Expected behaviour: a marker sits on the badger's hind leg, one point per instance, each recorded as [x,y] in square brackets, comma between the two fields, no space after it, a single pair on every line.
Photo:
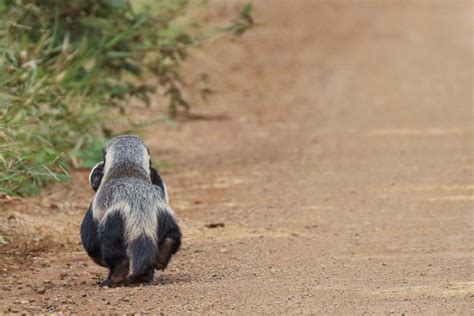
[118,273]
[169,246]
[90,237]
[164,255]
[113,249]
[145,277]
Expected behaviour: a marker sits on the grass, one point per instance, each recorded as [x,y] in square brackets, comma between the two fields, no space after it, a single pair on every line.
[70,69]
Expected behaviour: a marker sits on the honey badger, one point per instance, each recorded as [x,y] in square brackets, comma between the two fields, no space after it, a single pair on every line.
[129,224]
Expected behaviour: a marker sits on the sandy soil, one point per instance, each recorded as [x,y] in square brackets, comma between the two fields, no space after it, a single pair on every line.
[338,154]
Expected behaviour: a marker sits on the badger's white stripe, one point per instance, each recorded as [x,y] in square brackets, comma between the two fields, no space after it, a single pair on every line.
[146,160]
[90,174]
[109,159]
[165,191]
[138,223]
[100,213]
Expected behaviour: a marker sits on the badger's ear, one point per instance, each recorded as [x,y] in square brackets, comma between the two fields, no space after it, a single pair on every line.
[158,181]
[95,177]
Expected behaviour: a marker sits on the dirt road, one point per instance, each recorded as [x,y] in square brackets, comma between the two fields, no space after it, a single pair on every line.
[342,170]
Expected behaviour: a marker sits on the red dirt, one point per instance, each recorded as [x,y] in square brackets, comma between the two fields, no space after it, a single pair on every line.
[338,154]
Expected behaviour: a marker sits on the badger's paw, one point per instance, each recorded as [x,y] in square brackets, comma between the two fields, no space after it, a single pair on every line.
[146,277]
[161,265]
[106,282]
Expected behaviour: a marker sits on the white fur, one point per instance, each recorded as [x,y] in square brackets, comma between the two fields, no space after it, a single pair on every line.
[166,192]
[109,158]
[90,174]
[146,160]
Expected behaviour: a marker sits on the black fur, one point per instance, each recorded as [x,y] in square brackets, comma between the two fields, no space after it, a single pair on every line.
[142,251]
[112,246]
[169,240]
[90,237]
[156,179]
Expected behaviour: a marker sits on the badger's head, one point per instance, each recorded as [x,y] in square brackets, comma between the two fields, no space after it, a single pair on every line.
[126,154]
[123,156]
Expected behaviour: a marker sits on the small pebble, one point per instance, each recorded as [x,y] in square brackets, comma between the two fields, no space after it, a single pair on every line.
[40,290]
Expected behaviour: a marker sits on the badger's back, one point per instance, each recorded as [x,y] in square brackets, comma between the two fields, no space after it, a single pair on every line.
[139,203]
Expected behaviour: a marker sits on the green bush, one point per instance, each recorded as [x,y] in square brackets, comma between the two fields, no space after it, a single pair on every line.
[67,68]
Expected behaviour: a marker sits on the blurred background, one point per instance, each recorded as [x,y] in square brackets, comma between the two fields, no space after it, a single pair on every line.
[318,154]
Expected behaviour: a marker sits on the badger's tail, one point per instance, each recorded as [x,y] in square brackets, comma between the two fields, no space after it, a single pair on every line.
[142,252]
